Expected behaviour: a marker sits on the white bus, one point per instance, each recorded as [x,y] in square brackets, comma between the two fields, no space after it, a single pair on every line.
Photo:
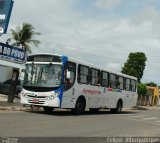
[56,81]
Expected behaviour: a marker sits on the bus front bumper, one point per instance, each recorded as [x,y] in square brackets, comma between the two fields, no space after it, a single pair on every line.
[55,102]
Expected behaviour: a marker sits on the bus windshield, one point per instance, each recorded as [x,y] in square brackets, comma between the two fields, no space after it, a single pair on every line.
[43,75]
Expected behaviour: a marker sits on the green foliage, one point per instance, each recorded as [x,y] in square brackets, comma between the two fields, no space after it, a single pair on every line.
[151,84]
[24,37]
[135,65]
[142,90]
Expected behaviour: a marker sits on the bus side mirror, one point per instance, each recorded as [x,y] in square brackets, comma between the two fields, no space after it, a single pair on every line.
[68,76]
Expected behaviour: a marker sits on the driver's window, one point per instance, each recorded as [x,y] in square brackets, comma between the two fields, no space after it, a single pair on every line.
[71,68]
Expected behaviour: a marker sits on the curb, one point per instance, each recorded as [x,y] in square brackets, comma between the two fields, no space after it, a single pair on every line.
[145,108]
[12,108]
[139,108]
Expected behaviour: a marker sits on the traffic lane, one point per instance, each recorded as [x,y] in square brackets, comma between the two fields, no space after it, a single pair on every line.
[64,124]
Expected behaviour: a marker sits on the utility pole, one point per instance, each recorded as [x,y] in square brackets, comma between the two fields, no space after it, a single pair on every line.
[13,85]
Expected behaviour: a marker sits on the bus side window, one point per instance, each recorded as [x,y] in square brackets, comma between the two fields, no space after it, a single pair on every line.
[113,81]
[128,82]
[69,75]
[95,76]
[104,79]
[133,85]
[121,82]
[83,74]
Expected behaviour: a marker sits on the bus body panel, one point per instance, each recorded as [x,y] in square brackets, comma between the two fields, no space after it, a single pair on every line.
[107,99]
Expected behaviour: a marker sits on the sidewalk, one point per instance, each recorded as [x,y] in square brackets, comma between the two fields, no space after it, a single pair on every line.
[146,107]
[15,106]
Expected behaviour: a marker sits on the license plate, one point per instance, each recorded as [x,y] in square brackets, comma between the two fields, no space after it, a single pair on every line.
[35,100]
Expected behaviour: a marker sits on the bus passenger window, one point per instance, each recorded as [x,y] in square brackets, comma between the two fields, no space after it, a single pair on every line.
[83,74]
[113,81]
[121,82]
[95,77]
[128,82]
[133,85]
[104,79]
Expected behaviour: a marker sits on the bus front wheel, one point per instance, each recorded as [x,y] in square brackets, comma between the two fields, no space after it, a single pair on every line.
[48,109]
[79,107]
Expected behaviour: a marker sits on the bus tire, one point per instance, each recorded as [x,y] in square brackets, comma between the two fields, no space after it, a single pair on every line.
[48,109]
[118,108]
[79,107]
[94,110]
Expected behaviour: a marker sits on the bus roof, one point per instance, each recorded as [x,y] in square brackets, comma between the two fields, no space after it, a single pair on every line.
[101,68]
[88,64]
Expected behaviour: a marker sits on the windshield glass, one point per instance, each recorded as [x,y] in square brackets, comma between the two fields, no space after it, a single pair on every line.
[43,75]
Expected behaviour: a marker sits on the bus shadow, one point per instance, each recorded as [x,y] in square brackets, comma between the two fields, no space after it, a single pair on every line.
[86,113]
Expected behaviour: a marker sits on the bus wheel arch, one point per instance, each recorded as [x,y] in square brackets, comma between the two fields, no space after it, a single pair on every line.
[80,105]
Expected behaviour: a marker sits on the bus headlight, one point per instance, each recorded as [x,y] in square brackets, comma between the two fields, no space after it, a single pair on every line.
[23,94]
[51,96]
[54,95]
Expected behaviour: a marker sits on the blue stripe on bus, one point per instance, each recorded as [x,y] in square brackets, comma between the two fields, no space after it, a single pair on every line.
[60,96]
[60,90]
[64,60]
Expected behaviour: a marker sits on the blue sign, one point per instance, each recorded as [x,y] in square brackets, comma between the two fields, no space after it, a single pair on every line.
[12,54]
[5,13]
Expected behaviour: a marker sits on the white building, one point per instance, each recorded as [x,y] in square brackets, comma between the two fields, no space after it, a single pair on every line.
[6,73]
[6,69]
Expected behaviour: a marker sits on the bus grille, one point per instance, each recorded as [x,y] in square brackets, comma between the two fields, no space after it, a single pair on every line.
[36,96]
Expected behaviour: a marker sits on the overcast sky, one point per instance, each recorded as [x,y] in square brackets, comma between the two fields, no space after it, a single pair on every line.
[102,32]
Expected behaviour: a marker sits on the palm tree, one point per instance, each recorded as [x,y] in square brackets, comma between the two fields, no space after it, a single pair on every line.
[23,37]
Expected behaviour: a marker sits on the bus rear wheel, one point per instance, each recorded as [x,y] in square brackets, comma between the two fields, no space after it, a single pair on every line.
[118,108]
[48,109]
[79,107]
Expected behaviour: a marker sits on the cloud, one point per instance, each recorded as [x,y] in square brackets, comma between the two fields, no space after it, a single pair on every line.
[89,37]
[107,4]
[113,66]
[146,14]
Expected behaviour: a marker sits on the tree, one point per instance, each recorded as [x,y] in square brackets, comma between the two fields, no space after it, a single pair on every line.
[142,90]
[23,37]
[135,65]
[151,84]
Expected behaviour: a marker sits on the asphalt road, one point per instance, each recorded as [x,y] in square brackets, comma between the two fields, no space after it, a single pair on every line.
[134,123]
